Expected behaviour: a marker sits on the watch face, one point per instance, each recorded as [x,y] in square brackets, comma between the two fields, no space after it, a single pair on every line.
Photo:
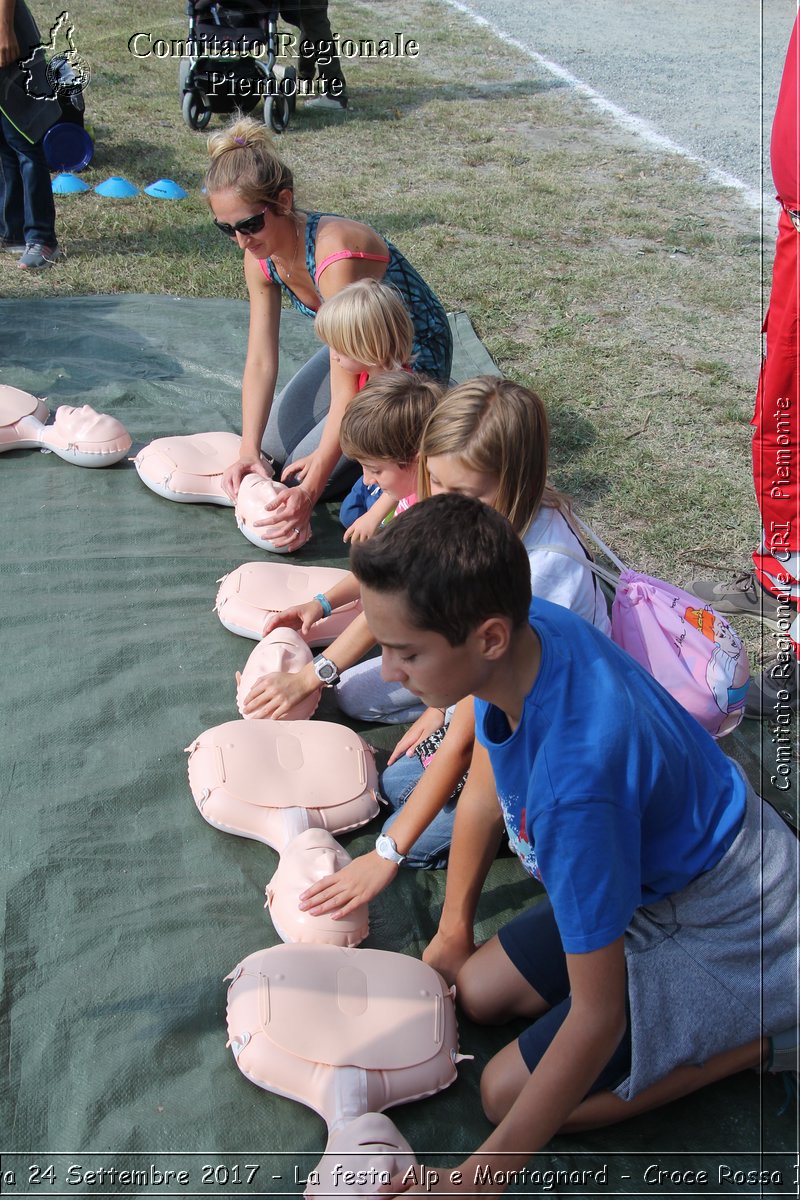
[326,671]
[387,849]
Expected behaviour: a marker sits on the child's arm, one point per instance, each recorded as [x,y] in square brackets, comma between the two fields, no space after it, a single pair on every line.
[303,616]
[361,880]
[314,470]
[583,1045]
[369,522]
[477,832]
[275,695]
[431,720]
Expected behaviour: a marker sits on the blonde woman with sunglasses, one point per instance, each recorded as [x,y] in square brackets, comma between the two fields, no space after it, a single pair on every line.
[309,256]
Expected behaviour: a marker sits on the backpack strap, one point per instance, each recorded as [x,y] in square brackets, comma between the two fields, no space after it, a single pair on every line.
[610,555]
[610,577]
[584,557]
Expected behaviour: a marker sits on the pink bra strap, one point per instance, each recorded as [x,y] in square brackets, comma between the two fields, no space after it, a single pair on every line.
[332,258]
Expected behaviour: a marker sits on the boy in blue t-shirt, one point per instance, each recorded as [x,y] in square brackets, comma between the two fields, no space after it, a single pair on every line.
[664,956]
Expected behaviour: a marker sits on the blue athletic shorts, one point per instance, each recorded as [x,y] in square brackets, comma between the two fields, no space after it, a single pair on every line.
[533,944]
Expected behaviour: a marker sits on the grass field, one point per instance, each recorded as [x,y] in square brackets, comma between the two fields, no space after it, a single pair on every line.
[619,283]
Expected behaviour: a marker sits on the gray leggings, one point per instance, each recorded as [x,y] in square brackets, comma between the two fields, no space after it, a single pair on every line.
[365,695]
[296,421]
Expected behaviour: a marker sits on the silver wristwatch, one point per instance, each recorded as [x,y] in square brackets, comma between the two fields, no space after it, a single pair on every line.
[385,847]
[326,671]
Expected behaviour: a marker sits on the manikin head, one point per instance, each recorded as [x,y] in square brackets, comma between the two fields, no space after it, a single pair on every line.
[86,425]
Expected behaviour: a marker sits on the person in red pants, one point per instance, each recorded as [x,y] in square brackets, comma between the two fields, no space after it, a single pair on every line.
[771,591]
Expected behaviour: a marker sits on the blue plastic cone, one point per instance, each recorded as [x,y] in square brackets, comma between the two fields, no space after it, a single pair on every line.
[66,185]
[117,188]
[166,189]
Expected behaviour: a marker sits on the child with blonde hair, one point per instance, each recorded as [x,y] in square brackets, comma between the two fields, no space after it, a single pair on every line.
[368,332]
[489,438]
[366,326]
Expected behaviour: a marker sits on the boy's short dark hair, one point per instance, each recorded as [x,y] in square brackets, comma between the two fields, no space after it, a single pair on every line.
[384,422]
[455,560]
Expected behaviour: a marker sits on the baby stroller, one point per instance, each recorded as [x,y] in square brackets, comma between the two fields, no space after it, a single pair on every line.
[223,74]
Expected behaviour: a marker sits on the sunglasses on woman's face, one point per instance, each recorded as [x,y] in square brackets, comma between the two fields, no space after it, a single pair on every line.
[248,227]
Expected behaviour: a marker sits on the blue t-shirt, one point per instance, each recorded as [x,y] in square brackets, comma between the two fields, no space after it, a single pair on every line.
[612,794]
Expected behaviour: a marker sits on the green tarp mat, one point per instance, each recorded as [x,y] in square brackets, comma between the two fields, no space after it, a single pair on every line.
[123,909]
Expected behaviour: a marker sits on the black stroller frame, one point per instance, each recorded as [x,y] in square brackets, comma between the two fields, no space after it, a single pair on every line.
[231,63]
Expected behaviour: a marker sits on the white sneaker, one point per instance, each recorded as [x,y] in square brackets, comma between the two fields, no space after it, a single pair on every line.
[327,102]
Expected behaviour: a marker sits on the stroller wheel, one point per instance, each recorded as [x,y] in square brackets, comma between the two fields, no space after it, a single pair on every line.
[196,114]
[277,113]
[289,87]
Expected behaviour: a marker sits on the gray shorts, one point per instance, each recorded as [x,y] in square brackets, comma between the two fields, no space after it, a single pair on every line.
[715,965]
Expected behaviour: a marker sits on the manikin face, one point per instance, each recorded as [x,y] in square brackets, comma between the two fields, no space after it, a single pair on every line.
[391,478]
[420,659]
[85,424]
[449,474]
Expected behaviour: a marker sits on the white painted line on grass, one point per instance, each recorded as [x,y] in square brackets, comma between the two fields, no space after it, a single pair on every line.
[635,125]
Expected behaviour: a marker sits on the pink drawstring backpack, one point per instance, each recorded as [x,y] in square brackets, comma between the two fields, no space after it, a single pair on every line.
[689,648]
[255,591]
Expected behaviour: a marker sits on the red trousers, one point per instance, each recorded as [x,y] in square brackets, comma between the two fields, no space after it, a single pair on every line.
[776,432]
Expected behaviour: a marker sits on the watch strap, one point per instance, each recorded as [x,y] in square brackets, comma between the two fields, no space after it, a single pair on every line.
[386,847]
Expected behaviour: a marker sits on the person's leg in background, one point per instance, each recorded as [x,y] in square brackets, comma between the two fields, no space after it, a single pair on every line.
[311,16]
[772,590]
[12,202]
[26,197]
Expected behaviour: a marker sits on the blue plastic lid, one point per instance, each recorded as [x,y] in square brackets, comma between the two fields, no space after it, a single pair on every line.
[67,147]
[117,187]
[64,185]
[166,189]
